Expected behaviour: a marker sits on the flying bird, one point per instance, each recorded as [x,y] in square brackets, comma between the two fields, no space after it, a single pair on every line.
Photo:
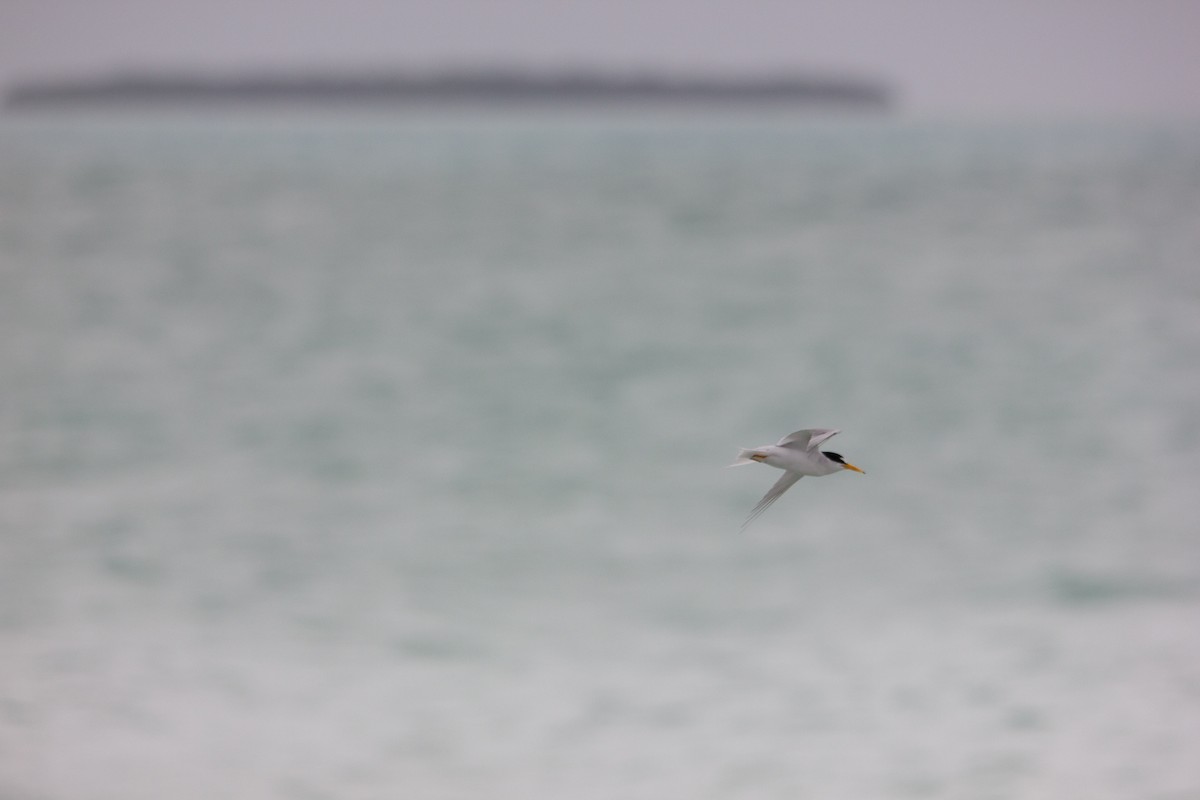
[797,455]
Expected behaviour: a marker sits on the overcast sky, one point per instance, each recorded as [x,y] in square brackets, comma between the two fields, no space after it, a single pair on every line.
[945,57]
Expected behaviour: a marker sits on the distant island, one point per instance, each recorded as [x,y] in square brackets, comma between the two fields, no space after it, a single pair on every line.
[459,88]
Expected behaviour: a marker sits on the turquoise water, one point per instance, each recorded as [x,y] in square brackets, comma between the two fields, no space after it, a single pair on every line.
[385,458]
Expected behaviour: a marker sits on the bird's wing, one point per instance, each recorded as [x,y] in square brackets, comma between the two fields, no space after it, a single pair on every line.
[797,440]
[806,439]
[776,491]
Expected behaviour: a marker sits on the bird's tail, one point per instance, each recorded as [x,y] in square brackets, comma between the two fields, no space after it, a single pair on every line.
[744,457]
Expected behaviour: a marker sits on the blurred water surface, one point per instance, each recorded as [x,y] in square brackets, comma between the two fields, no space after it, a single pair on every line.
[384,457]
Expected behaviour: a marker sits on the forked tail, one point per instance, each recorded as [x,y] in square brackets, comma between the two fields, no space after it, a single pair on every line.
[745,457]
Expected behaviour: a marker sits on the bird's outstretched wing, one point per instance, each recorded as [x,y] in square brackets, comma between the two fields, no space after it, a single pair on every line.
[809,437]
[776,491]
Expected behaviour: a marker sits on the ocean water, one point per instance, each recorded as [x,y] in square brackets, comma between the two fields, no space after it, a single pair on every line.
[384,457]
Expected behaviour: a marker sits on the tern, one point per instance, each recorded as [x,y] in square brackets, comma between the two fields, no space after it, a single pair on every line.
[797,455]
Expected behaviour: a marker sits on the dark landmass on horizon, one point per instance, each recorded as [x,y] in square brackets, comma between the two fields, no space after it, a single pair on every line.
[450,88]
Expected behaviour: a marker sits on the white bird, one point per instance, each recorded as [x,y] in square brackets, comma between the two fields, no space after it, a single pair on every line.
[797,455]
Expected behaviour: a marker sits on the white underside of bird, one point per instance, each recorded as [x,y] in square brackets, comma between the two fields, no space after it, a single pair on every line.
[797,455]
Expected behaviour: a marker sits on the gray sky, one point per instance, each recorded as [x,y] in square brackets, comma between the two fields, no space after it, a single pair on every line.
[946,57]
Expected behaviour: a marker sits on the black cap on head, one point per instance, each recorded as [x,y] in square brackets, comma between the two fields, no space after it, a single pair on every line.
[833,456]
